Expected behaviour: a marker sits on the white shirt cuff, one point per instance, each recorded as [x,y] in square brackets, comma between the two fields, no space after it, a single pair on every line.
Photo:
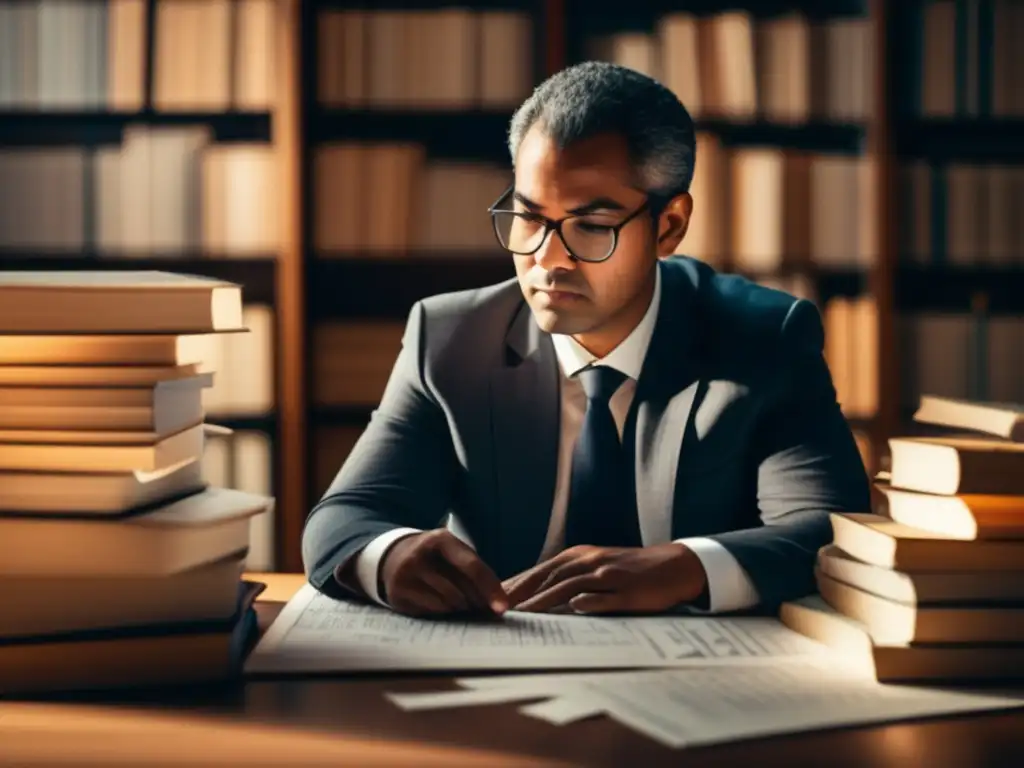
[367,568]
[729,586]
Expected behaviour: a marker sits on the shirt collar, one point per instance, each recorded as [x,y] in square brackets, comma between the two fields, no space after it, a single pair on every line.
[627,358]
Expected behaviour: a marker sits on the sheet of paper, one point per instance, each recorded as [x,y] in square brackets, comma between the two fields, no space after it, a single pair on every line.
[315,633]
[714,705]
[412,702]
[563,710]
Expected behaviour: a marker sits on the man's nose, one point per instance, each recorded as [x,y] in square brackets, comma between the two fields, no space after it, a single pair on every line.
[552,253]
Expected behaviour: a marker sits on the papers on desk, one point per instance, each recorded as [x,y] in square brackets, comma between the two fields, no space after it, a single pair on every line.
[315,633]
[711,705]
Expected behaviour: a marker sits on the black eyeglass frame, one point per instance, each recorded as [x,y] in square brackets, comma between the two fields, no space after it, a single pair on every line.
[556,225]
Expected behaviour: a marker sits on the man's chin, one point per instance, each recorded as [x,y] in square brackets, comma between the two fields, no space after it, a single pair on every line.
[560,321]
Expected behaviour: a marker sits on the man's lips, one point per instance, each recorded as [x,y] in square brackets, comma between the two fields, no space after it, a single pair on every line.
[558,293]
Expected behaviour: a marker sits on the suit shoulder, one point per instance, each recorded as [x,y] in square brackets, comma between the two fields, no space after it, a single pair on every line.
[752,319]
[455,308]
[447,324]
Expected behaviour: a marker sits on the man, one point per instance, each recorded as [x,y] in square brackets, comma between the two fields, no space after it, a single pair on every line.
[617,430]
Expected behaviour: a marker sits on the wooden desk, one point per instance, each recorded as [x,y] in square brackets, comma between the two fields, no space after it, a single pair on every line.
[347,721]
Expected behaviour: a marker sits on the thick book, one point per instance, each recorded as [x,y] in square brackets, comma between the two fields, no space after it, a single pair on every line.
[96,493]
[966,516]
[97,302]
[103,350]
[812,617]
[161,408]
[93,375]
[883,542]
[923,587]
[892,623]
[957,464]
[86,452]
[183,653]
[1004,420]
[55,604]
[197,529]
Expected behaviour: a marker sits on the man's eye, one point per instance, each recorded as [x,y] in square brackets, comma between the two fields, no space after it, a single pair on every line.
[592,228]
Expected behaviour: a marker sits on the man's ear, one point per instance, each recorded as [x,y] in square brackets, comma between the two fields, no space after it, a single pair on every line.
[673,223]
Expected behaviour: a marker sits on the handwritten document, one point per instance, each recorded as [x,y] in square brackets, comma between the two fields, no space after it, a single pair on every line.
[315,633]
[710,705]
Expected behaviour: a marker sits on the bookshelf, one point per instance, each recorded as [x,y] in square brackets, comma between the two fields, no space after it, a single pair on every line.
[372,111]
[127,128]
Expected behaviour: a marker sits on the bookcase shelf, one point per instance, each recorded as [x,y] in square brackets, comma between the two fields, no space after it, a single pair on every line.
[958,289]
[341,415]
[836,138]
[31,128]
[988,140]
[257,276]
[472,135]
[384,286]
[263,422]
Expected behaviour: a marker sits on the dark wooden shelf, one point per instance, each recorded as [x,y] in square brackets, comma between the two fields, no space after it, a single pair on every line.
[828,283]
[260,422]
[428,5]
[32,128]
[476,135]
[992,140]
[340,415]
[257,276]
[810,137]
[386,287]
[954,289]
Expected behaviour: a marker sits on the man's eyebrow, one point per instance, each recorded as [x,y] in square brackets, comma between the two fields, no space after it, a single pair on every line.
[597,204]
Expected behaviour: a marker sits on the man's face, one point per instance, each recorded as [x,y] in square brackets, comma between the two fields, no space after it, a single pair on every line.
[591,178]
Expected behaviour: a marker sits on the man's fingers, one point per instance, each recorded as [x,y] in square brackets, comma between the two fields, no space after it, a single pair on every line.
[473,576]
[526,584]
[602,602]
[451,594]
[420,600]
[562,593]
[566,571]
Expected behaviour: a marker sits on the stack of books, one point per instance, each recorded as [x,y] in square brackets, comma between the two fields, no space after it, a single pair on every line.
[119,565]
[930,586]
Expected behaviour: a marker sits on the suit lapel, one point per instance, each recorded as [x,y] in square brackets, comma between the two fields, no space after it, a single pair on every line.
[525,415]
[667,392]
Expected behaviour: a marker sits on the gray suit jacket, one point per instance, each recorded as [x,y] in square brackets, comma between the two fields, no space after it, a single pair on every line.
[735,428]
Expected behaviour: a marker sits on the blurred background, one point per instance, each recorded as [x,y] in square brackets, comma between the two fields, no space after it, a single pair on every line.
[337,159]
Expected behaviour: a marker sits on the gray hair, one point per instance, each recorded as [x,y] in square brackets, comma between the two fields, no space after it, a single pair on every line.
[597,97]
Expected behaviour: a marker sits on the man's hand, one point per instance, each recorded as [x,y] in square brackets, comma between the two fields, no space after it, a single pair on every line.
[434,573]
[610,580]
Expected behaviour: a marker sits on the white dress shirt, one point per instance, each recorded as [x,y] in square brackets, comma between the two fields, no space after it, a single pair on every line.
[729,586]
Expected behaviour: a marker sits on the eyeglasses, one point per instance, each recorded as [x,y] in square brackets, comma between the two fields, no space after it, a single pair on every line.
[523,233]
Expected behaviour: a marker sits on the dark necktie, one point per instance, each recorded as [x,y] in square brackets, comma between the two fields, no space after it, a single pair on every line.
[602,506]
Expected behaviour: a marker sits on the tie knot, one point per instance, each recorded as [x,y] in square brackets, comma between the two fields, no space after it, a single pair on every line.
[600,382]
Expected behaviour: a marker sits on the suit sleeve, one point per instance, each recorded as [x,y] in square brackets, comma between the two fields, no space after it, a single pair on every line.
[808,467]
[400,473]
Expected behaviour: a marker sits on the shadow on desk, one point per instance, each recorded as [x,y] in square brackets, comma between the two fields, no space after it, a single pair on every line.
[347,721]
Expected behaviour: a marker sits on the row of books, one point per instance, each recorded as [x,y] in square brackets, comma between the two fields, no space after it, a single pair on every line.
[733,66]
[764,208]
[961,214]
[961,356]
[970,59]
[209,55]
[390,197]
[436,59]
[758,209]
[120,563]
[164,189]
[928,586]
